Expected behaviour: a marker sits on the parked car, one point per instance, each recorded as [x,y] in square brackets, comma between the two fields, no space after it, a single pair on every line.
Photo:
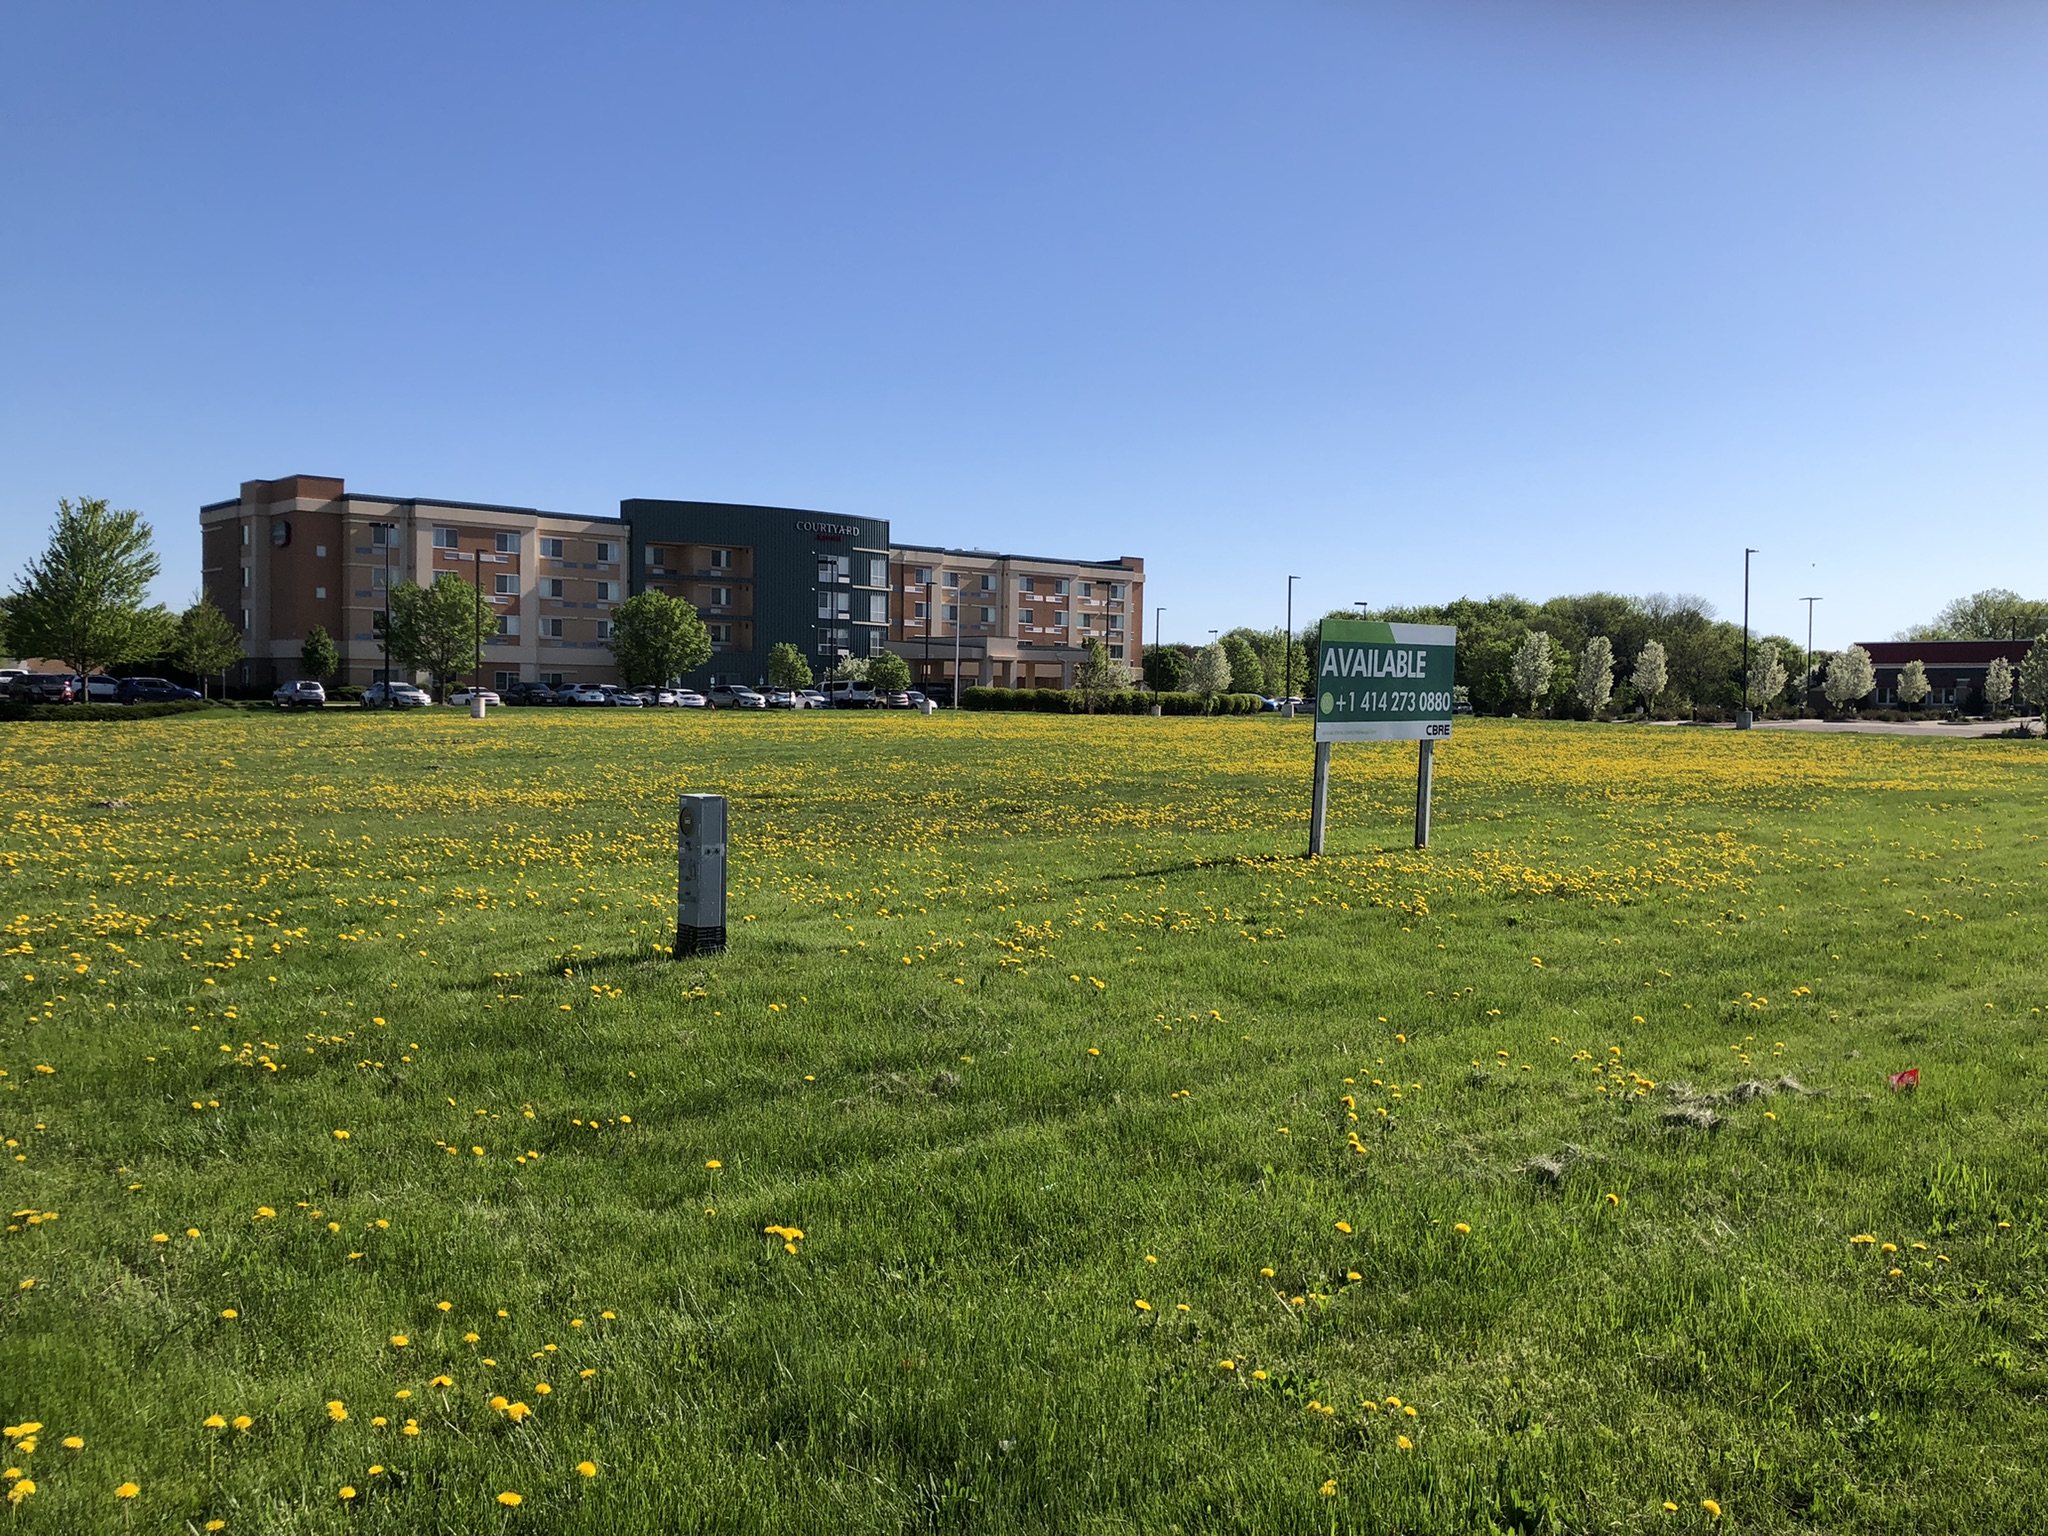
[580,693]
[917,699]
[151,690]
[619,698]
[736,696]
[462,696]
[394,696]
[655,698]
[302,693]
[47,688]
[101,689]
[782,698]
[843,693]
[689,698]
[812,699]
[895,700]
[529,693]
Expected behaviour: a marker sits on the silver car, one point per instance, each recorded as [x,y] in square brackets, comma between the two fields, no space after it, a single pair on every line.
[303,693]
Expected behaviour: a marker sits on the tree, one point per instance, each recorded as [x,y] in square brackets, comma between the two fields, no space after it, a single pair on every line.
[317,657]
[1850,677]
[1650,674]
[1531,667]
[434,629]
[848,669]
[1596,673]
[1998,684]
[1099,673]
[888,673]
[787,667]
[2032,680]
[203,642]
[1247,672]
[1996,613]
[1210,674]
[1913,684]
[1166,668]
[84,600]
[1767,673]
[657,638]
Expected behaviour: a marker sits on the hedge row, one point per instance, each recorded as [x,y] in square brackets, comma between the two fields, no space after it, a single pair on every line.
[104,711]
[1071,701]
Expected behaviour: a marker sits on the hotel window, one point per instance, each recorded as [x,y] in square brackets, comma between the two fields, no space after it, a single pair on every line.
[447,538]
[835,605]
[920,610]
[950,613]
[245,630]
[552,679]
[247,573]
[379,578]
[1027,617]
[721,634]
[1117,652]
[1116,621]
[1027,584]
[988,583]
[988,615]
[1116,589]
[382,536]
[508,543]
[320,550]
[721,597]
[657,557]
[551,549]
[503,680]
[604,629]
[508,624]
[878,608]
[721,559]
[952,578]
[245,534]
[553,586]
[878,571]
[1060,586]
[922,576]
[319,592]
[606,553]
[1087,621]
[1087,589]
[1059,619]
[505,586]
[607,591]
[551,629]
[835,568]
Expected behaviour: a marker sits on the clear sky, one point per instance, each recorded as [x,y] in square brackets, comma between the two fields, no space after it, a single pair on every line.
[1411,299]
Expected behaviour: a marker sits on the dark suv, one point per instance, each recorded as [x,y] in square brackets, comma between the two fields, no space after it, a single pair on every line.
[49,688]
[151,690]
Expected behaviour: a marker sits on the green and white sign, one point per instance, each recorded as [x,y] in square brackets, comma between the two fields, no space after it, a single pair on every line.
[1385,682]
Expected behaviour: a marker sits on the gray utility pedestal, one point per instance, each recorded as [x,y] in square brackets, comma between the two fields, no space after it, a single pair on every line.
[700,875]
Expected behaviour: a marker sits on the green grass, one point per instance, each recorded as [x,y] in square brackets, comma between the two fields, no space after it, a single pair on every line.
[447,936]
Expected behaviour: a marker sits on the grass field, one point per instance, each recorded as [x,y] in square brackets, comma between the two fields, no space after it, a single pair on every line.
[1056,1149]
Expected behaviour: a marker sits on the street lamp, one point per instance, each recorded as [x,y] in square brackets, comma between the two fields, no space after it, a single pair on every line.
[1287,667]
[1806,685]
[1361,605]
[1744,720]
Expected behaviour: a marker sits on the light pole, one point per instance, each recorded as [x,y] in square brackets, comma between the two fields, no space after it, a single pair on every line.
[929,603]
[1806,682]
[1287,665]
[1362,606]
[1744,720]
[476,683]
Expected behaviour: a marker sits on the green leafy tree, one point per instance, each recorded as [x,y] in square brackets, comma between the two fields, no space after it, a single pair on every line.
[657,638]
[1531,668]
[1099,673]
[1996,613]
[434,629]
[1913,684]
[1850,677]
[888,673]
[85,599]
[204,642]
[318,658]
[787,667]
[1247,672]
[1998,684]
[1596,674]
[1166,668]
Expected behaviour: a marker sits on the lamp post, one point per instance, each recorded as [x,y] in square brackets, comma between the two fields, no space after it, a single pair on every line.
[930,599]
[1362,606]
[1806,680]
[1744,720]
[476,676]
[1287,665]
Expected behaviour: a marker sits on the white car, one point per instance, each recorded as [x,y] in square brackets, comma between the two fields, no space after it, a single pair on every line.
[844,693]
[736,696]
[583,693]
[688,698]
[463,696]
[394,696]
[304,693]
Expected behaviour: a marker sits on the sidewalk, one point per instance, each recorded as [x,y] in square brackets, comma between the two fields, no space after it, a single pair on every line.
[1898,727]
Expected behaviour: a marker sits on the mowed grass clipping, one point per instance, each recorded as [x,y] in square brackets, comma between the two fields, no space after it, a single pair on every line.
[1055,1149]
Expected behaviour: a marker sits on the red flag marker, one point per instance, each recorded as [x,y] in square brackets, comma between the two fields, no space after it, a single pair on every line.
[1910,1078]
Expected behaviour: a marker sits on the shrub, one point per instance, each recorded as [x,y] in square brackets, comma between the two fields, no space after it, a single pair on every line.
[106,711]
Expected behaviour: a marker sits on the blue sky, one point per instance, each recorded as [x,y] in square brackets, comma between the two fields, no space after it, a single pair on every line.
[1414,300]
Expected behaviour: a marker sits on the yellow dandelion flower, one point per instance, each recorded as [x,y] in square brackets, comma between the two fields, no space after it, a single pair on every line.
[1404,1442]
[1461,1227]
[127,1491]
[1142,1305]
[587,1468]
[346,1493]
[1329,1489]
[399,1341]
[73,1443]
[214,1421]
[241,1421]
[1713,1510]
[510,1500]
[337,1410]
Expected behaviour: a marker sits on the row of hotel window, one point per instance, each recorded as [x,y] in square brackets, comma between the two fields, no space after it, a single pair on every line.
[1058,586]
[385,536]
[502,585]
[1057,618]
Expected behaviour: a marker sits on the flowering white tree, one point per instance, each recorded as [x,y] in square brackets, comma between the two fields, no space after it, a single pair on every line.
[1998,684]
[1850,676]
[1210,674]
[1596,673]
[1766,673]
[1651,674]
[1531,667]
[1913,684]
[2032,681]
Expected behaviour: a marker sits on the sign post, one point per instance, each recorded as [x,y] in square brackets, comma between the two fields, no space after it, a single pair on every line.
[1382,682]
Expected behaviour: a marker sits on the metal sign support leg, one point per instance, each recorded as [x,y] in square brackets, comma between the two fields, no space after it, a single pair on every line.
[1424,763]
[1319,805]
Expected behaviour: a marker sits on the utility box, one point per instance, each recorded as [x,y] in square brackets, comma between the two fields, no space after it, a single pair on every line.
[700,875]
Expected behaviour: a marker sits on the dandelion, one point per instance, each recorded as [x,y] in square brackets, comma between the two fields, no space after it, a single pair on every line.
[1329,1489]
[442,1382]
[510,1500]
[412,1427]
[347,1493]
[444,1306]
[72,1443]
[1226,1365]
[1613,1199]
[1344,1226]
[1461,1227]
[1404,1442]
[127,1491]
[714,1163]
[1267,1273]
[229,1313]
[215,1421]
[399,1341]
[22,1489]
[500,1404]
[242,1421]
[1713,1510]
[587,1468]
[343,1136]
[376,1471]
[1258,1375]
[518,1413]
[1142,1305]
[1670,1508]
[337,1410]
[215,1525]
